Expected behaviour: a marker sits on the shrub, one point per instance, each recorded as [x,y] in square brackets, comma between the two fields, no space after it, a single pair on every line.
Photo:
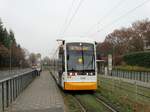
[138,59]
[132,68]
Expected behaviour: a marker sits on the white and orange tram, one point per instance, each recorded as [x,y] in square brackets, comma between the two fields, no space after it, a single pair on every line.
[77,64]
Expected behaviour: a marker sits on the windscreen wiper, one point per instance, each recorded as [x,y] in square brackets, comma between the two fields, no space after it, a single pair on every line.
[82,59]
[91,62]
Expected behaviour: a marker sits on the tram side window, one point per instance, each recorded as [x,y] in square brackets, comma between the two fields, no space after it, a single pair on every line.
[61,62]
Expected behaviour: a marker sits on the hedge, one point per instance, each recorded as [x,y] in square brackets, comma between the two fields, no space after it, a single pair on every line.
[138,59]
[131,68]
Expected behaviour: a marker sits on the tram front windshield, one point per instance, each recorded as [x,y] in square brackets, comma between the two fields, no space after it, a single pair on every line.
[80,57]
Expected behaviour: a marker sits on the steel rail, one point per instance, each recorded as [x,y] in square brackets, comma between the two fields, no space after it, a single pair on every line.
[80,104]
[105,104]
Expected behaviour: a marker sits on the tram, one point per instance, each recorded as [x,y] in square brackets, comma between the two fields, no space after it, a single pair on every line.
[77,64]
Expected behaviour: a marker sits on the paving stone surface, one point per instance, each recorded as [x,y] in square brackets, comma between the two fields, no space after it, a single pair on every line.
[42,95]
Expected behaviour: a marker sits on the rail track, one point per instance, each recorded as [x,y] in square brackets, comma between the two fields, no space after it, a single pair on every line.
[77,97]
[105,104]
[98,99]
[83,109]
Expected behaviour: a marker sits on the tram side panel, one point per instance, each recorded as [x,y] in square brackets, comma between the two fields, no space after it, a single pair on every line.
[61,70]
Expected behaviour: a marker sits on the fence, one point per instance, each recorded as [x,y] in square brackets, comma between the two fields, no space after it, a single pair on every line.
[133,75]
[127,96]
[11,87]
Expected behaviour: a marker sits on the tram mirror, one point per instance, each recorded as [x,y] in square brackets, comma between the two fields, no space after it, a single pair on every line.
[63,42]
[96,43]
[67,56]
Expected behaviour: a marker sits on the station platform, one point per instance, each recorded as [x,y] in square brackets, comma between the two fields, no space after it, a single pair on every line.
[42,95]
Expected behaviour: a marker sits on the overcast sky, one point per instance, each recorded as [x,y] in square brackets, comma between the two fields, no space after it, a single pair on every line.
[38,23]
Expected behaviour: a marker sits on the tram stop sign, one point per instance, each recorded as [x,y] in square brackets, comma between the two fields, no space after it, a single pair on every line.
[109,62]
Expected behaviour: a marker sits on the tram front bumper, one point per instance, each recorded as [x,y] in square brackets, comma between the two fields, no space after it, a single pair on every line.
[80,86]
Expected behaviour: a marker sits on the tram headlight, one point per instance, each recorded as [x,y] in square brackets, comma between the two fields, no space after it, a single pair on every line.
[91,74]
[72,74]
[69,73]
[76,73]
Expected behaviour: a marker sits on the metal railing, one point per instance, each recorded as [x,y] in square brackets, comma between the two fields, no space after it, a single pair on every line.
[11,87]
[128,93]
[133,75]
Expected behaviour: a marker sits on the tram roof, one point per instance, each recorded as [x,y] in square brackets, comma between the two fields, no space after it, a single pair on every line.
[78,39]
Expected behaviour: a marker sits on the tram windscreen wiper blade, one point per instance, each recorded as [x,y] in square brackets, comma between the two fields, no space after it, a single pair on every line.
[82,60]
[91,62]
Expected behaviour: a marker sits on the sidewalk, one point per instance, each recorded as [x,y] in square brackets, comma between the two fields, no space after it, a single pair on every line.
[41,95]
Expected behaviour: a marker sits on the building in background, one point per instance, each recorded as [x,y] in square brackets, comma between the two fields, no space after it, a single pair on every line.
[146,44]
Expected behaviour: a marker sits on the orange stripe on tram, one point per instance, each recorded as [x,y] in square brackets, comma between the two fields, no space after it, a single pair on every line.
[80,86]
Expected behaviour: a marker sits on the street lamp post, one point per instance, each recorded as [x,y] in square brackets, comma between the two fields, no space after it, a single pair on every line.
[113,56]
[10,67]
